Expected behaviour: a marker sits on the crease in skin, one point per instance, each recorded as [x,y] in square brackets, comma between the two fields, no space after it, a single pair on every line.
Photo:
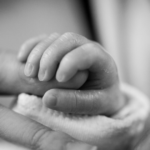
[96,130]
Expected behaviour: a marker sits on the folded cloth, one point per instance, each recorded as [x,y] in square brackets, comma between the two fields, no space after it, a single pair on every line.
[124,130]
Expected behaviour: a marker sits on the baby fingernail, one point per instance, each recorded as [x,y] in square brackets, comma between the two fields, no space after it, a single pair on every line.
[29,69]
[42,75]
[50,101]
[61,78]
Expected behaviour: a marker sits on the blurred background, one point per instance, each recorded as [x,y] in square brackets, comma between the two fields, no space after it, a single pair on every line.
[122,27]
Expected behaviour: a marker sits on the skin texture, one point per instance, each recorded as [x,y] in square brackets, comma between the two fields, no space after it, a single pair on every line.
[12,74]
[122,131]
[100,94]
[22,130]
[64,57]
[94,90]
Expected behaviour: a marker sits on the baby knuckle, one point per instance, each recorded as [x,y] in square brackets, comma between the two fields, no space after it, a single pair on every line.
[49,39]
[46,55]
[68,36]
[32,57]
[55,34]
[73,38]
[36,50]
[64,37]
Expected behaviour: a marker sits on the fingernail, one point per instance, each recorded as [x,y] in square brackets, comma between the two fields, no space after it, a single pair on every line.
[42,75]
[50,101]
[28,69]
[61,78]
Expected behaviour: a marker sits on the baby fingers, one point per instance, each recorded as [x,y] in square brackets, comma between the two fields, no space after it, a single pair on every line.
[27,47]
[53,55]
[32,64]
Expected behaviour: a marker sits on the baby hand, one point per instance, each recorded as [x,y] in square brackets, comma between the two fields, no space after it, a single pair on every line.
[46,56]
[64,57]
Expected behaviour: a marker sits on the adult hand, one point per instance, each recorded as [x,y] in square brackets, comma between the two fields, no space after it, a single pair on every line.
[122,131]
[23,131]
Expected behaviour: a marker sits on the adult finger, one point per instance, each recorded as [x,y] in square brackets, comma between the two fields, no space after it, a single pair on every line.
[28,46]
[32,64]
[36,87]
[21,130]
[106,102]
[36,136]
[53,55]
